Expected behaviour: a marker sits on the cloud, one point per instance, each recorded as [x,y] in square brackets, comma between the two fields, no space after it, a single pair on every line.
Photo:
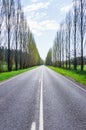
[67,8]
[38,28]
[50,25]
[38,19]
[39,15]
[34,0]
[36,6]
[36,32]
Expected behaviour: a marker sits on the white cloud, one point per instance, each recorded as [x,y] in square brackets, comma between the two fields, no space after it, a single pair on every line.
[38,28]
[36,6]
[34,0]
[67,8]
[50,25]
[38,21]
[37,32]
[37,15]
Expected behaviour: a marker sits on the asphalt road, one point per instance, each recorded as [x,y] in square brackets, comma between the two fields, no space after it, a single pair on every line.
[42,100]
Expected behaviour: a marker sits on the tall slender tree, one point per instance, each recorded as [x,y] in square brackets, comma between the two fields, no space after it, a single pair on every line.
[75,29]
[18,9]
[68,24]
[8,6]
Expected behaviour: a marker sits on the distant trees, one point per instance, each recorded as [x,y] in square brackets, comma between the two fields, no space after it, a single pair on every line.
[69,44]
[34,57]
[49,57]
[17,48]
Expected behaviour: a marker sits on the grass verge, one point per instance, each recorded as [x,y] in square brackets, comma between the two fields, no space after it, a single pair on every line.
[7,75]
[78,76]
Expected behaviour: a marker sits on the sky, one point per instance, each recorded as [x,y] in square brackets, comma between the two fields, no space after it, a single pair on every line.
[44,18]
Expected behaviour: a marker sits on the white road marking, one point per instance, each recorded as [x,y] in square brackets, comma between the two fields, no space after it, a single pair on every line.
[39,81]
[33,127]
[41,106]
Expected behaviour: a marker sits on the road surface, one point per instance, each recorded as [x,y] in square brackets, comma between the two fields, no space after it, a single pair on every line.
[42,100]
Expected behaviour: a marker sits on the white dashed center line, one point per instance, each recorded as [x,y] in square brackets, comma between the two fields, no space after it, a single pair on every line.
[33,127]
[41,105]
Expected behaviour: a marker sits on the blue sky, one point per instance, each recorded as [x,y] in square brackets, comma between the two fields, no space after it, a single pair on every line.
[44,17]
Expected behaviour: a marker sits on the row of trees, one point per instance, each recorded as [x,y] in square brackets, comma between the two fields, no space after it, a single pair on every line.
[70,41]
[16,40]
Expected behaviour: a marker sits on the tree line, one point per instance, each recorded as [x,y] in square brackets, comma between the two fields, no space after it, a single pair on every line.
[70,42]
[17,43]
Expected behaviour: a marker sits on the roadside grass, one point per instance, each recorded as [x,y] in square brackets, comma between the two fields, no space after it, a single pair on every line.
[7,75]
[78,76]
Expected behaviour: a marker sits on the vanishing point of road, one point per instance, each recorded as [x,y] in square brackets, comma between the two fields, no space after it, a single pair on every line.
[41,99]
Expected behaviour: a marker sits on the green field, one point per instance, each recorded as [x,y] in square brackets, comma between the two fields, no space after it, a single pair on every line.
[7,75]
[79,76]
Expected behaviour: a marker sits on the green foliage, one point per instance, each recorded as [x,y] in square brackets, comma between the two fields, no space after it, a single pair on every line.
[49,57]
[34,57]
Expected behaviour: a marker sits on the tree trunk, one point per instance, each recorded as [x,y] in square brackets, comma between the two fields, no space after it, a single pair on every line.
[81,35]
[9,55]
[16,54]
[75,20]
